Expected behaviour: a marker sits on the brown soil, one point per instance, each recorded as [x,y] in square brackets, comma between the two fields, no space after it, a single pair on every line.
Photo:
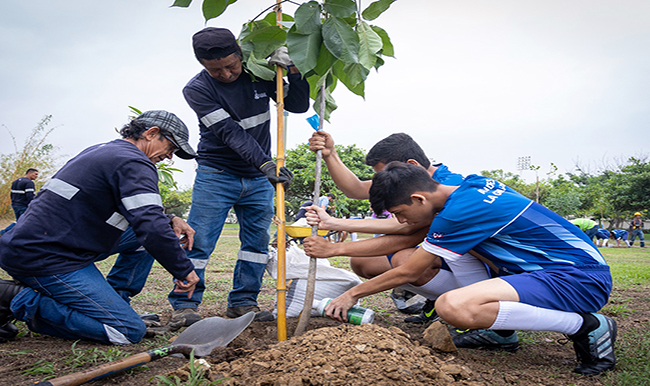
[389,352]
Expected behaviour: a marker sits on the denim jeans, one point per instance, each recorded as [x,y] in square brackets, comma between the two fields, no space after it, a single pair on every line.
[132,266]
[18,210]
[215,192]
[77,305]
[637,233]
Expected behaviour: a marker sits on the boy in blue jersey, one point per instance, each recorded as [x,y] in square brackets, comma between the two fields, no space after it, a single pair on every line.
[401,239]
[78,216]
[552,277]
[234,165]
[618,235]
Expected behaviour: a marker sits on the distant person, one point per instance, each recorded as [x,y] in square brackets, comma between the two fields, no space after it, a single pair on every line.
[551,276]
[602,237]
[302,210]
[80,214]
[589,226]
[22,193]
[620,235]
[636,230]
[326,202]
[235,167]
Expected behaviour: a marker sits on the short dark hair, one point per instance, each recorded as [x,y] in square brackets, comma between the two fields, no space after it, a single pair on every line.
[30,170]
[394,185]
[397,147]
[331,195]
[136,128]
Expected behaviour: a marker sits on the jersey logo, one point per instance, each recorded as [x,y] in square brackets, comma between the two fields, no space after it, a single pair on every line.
[436,235]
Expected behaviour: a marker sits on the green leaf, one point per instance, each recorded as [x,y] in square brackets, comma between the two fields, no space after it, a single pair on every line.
[308,18]
[325,61]
[214,8]
[272,18]
[356,72]
[259,68]
[387,48]
[330,104]
[369,44]
[376,8]
[266,40]
[340,72]
[341,40]
[379,63]
[315,81]
[304,49]
[340,8]
[182,3]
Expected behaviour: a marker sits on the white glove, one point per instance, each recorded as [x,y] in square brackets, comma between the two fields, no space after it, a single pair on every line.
[280,57]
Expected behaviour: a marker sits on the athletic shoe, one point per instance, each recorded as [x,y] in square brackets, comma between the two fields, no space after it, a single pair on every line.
[485,339]
[260,316]
[8,290]
[595,350]
[406,301]
[184,317]
[427,315]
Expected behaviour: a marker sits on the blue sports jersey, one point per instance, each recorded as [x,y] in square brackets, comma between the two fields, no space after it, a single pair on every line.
[620,233]
[602,233]
[516,234]
[446,177]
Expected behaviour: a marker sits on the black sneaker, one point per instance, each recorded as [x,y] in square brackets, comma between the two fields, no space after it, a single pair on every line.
[260,315]
[595,350]
[406,301]
[484,339]
[8,290]
[427,315]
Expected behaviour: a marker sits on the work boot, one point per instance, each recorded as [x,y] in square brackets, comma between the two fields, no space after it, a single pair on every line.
[595,348]
[260,315]
[427,315]
[184,317]
[8,290]
[8,332]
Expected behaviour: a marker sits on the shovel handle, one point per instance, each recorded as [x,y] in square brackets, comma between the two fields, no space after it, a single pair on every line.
[110,368]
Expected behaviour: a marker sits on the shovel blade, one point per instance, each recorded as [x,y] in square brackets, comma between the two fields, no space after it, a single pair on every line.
[206,334]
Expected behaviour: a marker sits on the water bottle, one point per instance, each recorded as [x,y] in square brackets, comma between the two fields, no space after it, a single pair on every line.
[356,314]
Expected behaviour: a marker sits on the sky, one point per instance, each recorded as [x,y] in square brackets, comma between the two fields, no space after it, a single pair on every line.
[476,83]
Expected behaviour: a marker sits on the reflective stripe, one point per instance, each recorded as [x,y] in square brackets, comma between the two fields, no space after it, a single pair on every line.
[199,263]
[115,336]
[140,200]
[247,123]
[255,120]
[118,221]
[261,258]
[215,117]
[29,190]
[18,191]
[140,249]
[60,188]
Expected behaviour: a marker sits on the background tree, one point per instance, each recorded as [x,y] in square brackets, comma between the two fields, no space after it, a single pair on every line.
[35,153]
[302,162]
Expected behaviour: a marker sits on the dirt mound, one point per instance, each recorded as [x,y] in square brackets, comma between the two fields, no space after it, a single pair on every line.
[343,355]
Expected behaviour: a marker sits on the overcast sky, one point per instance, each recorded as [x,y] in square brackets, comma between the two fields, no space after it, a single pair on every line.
[477,83]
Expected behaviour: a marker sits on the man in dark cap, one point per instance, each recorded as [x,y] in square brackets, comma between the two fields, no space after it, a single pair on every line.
[78,216]
[235,165]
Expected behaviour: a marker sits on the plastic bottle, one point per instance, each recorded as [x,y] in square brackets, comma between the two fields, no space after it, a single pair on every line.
[356,314]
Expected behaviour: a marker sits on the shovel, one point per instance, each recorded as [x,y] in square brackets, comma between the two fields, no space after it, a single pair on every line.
[202,337]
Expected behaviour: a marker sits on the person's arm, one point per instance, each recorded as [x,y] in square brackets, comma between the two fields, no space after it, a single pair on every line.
[343,177]
[29,191]
[383,245]
[404,274]
[318,216]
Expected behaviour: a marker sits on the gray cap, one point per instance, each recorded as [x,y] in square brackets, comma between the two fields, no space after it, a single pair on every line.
[170,125]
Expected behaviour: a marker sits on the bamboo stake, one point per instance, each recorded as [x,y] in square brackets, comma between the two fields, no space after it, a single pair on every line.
[281,285]
[311,277]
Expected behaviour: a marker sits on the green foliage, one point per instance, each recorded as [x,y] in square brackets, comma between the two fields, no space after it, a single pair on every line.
[94,356]
[302,162]
[35,153]
[327,41]
[175,201]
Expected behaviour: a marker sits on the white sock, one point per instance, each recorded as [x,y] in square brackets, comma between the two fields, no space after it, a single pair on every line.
[443,281]
[520,316]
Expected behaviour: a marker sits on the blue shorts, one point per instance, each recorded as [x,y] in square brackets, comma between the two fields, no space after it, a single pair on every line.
[580,288]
